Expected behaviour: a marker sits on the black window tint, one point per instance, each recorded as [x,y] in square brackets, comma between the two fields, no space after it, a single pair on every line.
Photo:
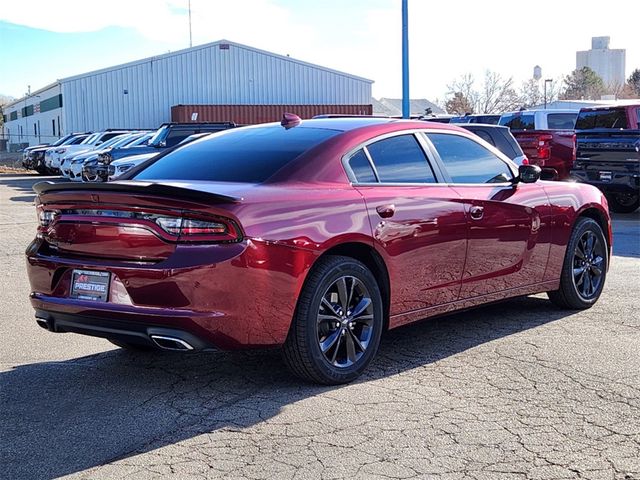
[400,160]
[362,168]
[518,121]
[485,136]
[238,155]
[561,121]
[469,162]
[176,136]
[613,118]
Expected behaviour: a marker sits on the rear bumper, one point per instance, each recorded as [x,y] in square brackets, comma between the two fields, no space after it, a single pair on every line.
[229,296]
[621,182]
[138,333]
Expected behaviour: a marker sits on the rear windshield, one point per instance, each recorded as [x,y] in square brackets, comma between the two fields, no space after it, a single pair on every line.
[518,121]
[249,155]
[613,118]
[561,121]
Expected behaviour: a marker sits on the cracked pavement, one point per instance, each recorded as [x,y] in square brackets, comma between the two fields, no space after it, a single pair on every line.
[516,390]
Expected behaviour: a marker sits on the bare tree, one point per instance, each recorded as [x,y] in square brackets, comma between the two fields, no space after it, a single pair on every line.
[533,94]
[495,95]
[458,104]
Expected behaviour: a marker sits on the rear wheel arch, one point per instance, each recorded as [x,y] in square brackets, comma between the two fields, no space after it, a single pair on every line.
[373,261]
[600,218]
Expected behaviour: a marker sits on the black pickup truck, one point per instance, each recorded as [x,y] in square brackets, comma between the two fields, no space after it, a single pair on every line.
[608,153]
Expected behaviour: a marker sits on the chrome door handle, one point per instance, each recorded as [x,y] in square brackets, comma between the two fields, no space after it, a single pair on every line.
[386,211]
[476,213]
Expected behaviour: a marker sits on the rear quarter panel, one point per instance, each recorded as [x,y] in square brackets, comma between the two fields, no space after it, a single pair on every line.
[568,201]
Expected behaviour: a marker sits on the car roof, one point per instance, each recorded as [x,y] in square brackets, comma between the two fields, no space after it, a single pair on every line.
[549,110]
[482,126]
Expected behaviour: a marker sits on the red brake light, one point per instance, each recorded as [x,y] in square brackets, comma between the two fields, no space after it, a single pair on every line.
[544,149]
[525,161]
[199,230]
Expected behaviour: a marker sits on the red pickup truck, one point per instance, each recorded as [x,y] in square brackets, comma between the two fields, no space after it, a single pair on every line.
[547,138]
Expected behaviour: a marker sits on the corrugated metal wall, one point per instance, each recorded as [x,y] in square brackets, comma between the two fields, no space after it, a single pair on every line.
[140,94]
[252,114]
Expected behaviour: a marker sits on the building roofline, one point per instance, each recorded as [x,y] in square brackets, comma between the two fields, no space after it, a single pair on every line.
[209,45]
[32,94]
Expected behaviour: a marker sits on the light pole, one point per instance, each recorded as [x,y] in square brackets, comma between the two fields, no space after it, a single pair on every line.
[548,80]
[406,109]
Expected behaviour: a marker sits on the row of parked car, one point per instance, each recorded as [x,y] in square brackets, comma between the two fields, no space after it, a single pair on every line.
[597,145]
[600,146]
[105,155]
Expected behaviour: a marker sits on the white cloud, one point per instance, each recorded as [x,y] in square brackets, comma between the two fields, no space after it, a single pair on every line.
[362,37]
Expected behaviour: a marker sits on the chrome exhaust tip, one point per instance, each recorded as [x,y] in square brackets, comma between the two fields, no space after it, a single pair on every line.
[43,323]
[171,343]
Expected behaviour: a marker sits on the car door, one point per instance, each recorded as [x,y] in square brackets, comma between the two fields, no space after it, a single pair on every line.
[418,223]
[508,223]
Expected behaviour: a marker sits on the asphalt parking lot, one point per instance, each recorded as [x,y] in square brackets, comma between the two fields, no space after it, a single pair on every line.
[518,390]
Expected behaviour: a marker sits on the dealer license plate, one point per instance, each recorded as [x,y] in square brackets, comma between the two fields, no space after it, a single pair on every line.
[605,176]
[90,285]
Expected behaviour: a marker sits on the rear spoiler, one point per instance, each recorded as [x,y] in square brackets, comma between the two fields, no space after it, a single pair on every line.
[146,188]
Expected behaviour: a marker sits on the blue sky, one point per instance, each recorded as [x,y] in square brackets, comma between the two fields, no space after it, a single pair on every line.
[41,42]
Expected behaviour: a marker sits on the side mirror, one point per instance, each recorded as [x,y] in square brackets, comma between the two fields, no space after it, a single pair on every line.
[528,173]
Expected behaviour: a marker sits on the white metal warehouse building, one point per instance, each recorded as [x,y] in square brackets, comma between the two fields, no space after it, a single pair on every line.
[140,94]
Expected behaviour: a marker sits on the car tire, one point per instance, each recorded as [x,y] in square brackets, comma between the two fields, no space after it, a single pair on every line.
[623,202]
[584,270]
[133,347]
[338,322]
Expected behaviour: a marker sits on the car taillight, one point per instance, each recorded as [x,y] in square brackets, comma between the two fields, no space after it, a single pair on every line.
[525,161]
[190,229]
[544,149]
[181,229]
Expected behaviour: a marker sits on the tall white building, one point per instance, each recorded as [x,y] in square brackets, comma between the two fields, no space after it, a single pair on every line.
[608,63]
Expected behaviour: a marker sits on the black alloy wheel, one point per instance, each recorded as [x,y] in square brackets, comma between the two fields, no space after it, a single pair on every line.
[345,321]
[584,270]
[588,265]
[338,322]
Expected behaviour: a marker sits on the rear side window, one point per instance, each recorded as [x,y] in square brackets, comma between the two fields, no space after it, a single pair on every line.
[518,121]
[485,136]
[613,118]
[249,155]
[401,159]
[561,121]
[176,136]
[469,162]
[361,168]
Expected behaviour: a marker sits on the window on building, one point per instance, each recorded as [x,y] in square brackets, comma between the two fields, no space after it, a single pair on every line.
[53,127]
[58,126]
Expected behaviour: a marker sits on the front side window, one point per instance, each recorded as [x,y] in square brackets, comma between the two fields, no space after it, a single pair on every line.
[401,159]
[469,162]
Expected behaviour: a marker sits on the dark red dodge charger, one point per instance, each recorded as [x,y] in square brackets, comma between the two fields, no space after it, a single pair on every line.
[316,235]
